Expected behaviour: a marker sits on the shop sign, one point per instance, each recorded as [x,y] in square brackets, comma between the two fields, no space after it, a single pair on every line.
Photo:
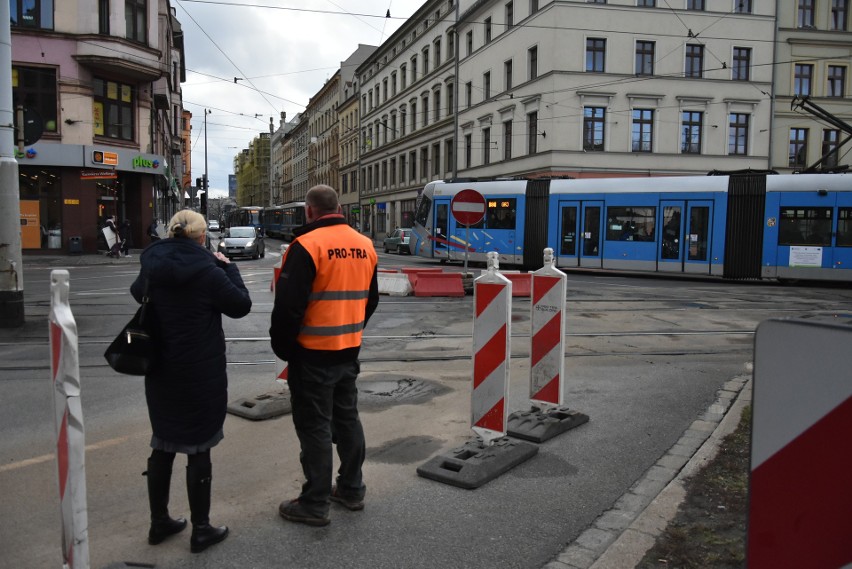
[72,202]
[142,162]
[98,174]
[106,158]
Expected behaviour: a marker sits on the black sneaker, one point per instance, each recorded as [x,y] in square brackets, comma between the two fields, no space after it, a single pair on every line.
[347,502]
[294,511]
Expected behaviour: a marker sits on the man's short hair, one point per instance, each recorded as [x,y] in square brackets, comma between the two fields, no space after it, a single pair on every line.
[323,199]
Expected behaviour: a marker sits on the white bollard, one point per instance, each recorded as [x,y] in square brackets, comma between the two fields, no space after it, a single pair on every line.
[70,436]
[491,352]
[547,337]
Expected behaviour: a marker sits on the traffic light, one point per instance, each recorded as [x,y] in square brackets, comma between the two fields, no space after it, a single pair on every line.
[199,183]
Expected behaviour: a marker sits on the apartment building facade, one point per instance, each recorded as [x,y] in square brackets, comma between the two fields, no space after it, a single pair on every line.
[105,82]
[406,129]
[812,55]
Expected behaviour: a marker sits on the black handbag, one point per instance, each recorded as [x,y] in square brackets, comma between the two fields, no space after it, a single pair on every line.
[133,351]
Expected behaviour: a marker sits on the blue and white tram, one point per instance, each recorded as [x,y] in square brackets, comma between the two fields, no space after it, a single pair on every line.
[748,225]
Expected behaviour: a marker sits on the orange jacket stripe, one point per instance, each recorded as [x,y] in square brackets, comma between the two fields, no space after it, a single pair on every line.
[334,318]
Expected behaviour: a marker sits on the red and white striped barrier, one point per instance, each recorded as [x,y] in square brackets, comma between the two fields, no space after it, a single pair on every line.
[491,351]
[70,436]
[547,338]
[800,498]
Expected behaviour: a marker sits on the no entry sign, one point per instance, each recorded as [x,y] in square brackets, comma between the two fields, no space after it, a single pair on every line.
[468,207]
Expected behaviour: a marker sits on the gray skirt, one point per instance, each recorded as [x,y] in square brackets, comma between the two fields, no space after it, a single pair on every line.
[167,446]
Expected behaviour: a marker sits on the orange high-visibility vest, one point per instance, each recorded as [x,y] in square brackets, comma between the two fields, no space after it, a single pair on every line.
[345,261]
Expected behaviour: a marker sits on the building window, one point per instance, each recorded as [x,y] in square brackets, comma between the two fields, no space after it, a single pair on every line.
[436,159]
[103,17]
[742,64]
[402,171]
[486,145]
[451,45]
[690,142]
[532,132]
[469,42]
[839,11]
[646,3]
[738,134]
[412,165]
[507,140]
[385,90]
[425,60]
[437,45]
[413,116]
[645,57]
[532,60]
[413,69]
[393,84]
[486,85]
[451,99]
[468,94]
[806,13]
[468,150]
[136,20]
[436,111]
[425,110]
[643,130]
[510,15]
[393,171]
[798,148]
[830,140]
[507,71]
[35,88]
[802,81]
[113,109]
[694,61]
[695,4]
[424,162]
[836,81]
[403,77]
[533,6]
[595,54]
[402,122]
[742,6]
[487,30]
[449,154]
[31,14]
[593,128]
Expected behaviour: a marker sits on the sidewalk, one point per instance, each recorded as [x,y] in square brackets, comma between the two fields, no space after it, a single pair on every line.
[620,537]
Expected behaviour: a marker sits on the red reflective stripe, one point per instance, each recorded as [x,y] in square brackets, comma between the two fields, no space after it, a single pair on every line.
[56,347]
[489,357]
[493,420]
[62,454]
[546,339]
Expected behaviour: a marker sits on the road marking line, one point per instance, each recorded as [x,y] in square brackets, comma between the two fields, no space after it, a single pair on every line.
[52,456]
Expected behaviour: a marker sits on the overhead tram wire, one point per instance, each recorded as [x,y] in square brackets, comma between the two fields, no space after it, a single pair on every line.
[237,67]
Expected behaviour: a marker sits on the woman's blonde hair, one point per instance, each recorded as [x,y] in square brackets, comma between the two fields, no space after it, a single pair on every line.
[187,223]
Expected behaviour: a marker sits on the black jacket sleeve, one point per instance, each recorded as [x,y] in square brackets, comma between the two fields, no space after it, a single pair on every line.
[230,295]
[292,292]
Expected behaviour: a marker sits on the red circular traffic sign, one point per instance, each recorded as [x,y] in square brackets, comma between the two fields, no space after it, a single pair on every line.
[468,207]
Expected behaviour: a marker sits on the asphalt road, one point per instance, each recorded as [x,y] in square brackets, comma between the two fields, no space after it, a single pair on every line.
[644,359]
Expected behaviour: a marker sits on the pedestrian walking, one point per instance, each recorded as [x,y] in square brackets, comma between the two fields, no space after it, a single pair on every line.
[127,240]
[326,293]
[153,232]
[188,289]
[113,237]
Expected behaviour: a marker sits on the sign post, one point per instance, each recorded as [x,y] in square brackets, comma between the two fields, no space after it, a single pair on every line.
[468,208]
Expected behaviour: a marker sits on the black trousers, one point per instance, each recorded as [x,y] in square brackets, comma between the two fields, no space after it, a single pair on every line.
[325,412]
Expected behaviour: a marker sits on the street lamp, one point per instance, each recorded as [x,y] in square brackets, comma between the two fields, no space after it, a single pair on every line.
[206,183]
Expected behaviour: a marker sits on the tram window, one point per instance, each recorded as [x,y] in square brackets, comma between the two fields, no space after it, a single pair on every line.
[804,226]
[424,207]
[630,223]
[500,213]
[844,227]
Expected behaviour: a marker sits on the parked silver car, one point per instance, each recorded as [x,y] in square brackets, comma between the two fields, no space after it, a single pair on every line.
[242,242]
[398,241]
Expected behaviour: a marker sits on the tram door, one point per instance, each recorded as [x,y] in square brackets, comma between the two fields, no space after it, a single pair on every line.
[684,240]
[441,229]
[591,221]
[568,252]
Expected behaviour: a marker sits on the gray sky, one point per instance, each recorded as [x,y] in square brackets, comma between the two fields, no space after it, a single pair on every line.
[283,51]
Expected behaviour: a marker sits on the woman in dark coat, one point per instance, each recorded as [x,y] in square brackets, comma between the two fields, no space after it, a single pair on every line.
[190,289]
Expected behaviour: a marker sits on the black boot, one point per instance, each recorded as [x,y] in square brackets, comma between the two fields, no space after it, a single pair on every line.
[159,479]
[198,490]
